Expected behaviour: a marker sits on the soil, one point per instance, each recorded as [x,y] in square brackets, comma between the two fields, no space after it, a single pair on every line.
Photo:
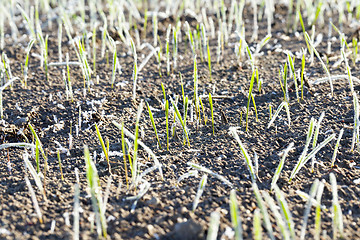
[165,211]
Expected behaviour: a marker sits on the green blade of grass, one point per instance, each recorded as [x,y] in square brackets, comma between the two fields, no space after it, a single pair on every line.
[181,121]
[249,97]
[153,124]
[235,217]
[199,191]
[212,113]
[336,147]
[285,211]
[263,210]
[281,165]
[106,153]
[213,226]
[245,154]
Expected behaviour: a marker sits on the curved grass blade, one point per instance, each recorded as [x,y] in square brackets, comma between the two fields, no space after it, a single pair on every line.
[245,154]
[153,123]
[280,166]
[200,191]
[235,217]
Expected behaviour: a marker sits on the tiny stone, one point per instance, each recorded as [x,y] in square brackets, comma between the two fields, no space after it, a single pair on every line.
[151,230]
[153,201]
[21,121]
[183,210]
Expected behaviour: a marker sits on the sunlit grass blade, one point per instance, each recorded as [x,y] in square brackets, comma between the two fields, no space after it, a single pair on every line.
[167,123]
[321,61]
[76,225]
[153,123]
[95,191]
[304,160]
[281,165]
[309,203]
[235,216]
[204,169]
[106,153]
[37,139]
[315,138]
[212,113]
[283,104]
[147,149]
[181,121]
[213,226]
[257,228]
[318,210]
[249,98]
[286,213]
[337,218]
[34,174]
[200,191]
[244,152]
[263,210]
[336,147]
[124,155]
[135,166]
[34,200]
[26,66]
[279,220]
[190,173]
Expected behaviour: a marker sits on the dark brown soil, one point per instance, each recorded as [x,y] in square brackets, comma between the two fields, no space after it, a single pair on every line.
[160,212]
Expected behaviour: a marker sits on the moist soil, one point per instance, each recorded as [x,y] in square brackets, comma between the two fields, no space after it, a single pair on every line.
[165,211]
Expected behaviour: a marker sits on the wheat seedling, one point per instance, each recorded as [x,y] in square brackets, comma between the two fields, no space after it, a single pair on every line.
[309,203]
[199,191]
[235,217]
[38,146]
[167,123]
[318,210]
[315,138]
[283,104]
[336,147]
[96,199]
[321,61]
[279,219]
[304,158]
[248,161]
[250,96]
[139,142]
[263,210]
[124,155]
[281,165]
[302,73]
[208,171]
[355,138]
[181,121]
[168,50]
[34,174]
[104,148]
[337,218]
[153,124]
[34,200]
[26,66]
[135,70]
[285,211]
[212,113]
[257,229]
[213,226]
[76,226]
